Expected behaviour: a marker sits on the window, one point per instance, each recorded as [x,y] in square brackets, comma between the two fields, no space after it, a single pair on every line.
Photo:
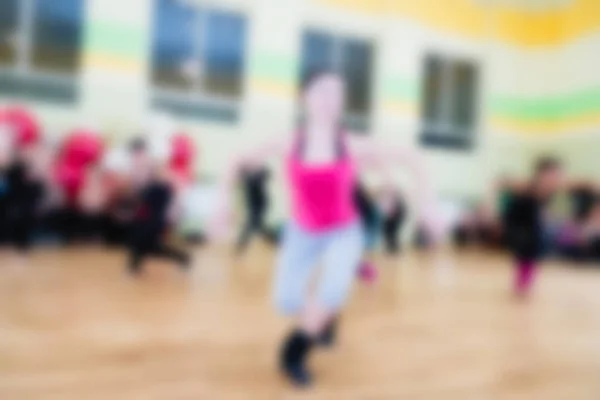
[353,58]
[40,48]
[197,59]
[449,102]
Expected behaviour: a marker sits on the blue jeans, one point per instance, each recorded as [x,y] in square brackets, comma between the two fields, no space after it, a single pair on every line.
[340,249]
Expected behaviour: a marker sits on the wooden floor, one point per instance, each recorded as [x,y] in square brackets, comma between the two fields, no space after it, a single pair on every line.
[73,326]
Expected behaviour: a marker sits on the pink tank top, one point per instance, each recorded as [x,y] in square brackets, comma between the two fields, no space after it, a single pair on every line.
[322,195]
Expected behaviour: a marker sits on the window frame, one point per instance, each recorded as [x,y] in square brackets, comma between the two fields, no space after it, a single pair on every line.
[197,97]
[339,36]
[443,132]
[24,71]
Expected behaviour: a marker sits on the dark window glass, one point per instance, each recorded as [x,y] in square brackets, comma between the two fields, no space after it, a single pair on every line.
[57,33]
[463,101]
[353,59]
[357,68]
[200,50]
[317,52]
[173,44]
[432,90]
[449,102]
[9,16]
[223,51]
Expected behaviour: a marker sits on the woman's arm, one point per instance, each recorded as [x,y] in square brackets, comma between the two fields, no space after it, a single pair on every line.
[272,148]
[384,157]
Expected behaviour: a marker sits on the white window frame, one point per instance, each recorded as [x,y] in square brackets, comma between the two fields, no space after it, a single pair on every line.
[197,94]
[23,48]
[444,127]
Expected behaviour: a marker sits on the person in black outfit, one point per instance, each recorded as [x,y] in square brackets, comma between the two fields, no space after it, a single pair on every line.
[524,221]
[25,191]
[583,197]
[6,158]
[394,214]
[366,207]
[151,222]
[254,181]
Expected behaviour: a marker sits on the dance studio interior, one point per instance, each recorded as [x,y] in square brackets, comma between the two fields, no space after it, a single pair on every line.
[289,199]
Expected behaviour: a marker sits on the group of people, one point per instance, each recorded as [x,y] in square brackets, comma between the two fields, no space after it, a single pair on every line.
[571,232]
[75,192]
[334,219]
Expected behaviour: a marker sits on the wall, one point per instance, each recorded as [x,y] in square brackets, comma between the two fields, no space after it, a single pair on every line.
[533,63]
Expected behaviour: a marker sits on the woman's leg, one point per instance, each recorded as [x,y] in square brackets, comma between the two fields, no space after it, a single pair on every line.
[136,258]
[140,245]
[391,236]
[296,262]
[342,257]
[524,276]
[249,228]
[367,270]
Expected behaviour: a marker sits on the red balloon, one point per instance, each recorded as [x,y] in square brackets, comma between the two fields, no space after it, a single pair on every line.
[71,179]
[25,125]
[183,152]
[82,148]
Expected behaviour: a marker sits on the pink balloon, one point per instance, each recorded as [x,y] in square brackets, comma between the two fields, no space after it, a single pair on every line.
[71,179]
[24,123]
[82,148]
[183,151]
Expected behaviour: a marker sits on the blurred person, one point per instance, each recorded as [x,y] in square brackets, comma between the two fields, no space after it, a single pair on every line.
[583,196]
[524,221]
[120,215]
[79,152]
[7,148]
[25,179]
[151,222]
[129,171]
[581,241]
[591,232]
[393,209]
[120,202]
[140,164]
[322,161]
[369,216]
[92,204]
[254,179]
[502,193]
[464,233]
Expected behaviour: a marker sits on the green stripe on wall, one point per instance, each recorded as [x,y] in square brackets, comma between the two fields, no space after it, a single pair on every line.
[399,89]
[116,39]
[280,68]
[547,108]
